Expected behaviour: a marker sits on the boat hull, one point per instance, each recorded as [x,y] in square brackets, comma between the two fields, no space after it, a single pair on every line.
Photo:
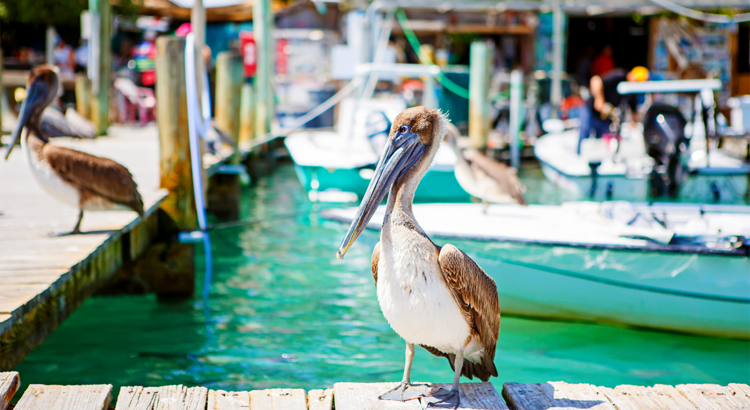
[728,188]
[675,292]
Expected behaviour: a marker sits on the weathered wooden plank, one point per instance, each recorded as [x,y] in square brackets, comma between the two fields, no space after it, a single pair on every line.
[170,398]
[195,398]
[555,395]
[741,391]
[479,396]
[223,400]
[278,399]
[53,397]
[711,396]
[9,382]
[320,399]
[136,398]
[364,396]
[627,397]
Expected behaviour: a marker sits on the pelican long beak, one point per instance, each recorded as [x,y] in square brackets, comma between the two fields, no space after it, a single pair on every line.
[34,92]
[400,153]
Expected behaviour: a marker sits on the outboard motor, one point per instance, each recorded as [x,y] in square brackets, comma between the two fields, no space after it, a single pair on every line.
[664,135]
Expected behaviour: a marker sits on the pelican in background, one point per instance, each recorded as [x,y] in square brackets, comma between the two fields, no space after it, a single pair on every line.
[432,296]
[483,177]
[71,124]
[75,178]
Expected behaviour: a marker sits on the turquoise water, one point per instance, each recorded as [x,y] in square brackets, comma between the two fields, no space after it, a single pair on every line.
[283,312]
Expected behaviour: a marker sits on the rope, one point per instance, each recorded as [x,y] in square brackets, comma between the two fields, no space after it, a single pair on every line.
[312,114]
[414,42]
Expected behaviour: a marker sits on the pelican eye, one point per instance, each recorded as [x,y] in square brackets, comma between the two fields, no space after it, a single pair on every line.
[403,129]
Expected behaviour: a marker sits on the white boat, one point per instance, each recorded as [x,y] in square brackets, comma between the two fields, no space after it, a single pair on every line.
[673,267]
[625,176]
[683,166]
[337,165]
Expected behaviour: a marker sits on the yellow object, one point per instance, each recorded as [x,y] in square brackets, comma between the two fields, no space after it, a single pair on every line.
[19,94]
[639,73]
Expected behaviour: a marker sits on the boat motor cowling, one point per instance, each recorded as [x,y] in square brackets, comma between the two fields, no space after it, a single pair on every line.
[664,135]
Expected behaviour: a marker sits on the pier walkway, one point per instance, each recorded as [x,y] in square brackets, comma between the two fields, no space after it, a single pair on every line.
[360,396]
[44,278]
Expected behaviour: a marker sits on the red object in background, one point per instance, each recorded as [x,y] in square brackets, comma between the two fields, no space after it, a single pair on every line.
[248,51]
[282,57]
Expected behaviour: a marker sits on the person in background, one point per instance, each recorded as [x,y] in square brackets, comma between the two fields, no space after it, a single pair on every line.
[583,70]
[603,63]
[601,106]
[64,57]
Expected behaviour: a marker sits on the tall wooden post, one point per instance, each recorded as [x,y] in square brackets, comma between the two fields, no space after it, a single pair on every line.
[229,81]
[173,261]
[479,83]
[100,99]
[247,116]
[262,31]
[174,141]
[83,95]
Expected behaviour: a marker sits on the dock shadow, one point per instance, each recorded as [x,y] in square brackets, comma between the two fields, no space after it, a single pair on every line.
[541,396]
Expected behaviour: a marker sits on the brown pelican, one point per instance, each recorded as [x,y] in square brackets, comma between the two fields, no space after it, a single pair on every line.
[72,177]
[432,296]
[483,177]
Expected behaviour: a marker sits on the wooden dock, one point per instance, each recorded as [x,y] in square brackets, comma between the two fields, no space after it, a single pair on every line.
[42,278]
[361,396]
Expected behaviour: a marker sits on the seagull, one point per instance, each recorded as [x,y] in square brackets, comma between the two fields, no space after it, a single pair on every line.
[483,177]
[432,296]
[74,178]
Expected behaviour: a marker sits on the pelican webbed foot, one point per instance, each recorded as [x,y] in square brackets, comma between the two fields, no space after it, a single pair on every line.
[446,399]
[405,391]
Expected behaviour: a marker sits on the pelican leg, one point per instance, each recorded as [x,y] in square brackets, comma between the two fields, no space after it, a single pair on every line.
[405,390]
[75,230]
[449,399]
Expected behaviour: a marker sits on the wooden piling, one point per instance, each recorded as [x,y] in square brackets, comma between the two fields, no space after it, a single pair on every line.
[100,100]
[174,142]
[174,261]
[247,117]
[479,103]
[229,90]
[83,95]
[264,101]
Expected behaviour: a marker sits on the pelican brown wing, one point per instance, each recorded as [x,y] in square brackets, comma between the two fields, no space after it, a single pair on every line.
[375,261]
[100,176]
[475,293]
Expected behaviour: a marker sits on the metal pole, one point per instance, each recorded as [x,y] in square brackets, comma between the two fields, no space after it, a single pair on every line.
[516,90]
[198,28]
[49,50]
[557,57]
